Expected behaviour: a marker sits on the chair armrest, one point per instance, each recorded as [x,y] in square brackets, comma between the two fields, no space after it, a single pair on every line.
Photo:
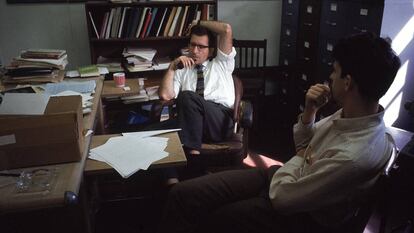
[157,107]
[245,114]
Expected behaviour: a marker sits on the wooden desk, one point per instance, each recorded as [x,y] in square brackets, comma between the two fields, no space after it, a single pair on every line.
[110,90]
[175,158]
[68,179]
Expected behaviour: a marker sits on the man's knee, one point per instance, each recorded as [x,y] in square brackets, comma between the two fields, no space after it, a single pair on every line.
[186,98]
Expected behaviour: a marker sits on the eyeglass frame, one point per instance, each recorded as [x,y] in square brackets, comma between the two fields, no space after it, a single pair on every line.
[198,46]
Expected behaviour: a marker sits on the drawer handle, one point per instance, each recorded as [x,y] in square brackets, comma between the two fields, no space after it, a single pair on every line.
[306,58]
[360,29]
[288,45]
[289,13]
[308,24]
[333,24]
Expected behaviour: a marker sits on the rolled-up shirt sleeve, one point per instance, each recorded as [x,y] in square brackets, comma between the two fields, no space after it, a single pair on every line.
[226,61]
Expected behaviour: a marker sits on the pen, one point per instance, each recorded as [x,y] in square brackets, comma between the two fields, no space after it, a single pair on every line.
[9,174]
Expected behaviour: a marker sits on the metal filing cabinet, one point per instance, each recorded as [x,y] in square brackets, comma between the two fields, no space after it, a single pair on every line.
[289,28]
[307,43]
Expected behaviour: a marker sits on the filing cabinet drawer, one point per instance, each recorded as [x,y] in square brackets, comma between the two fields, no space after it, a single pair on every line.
[290,12]
[303,81]
[310,11]
[307,49]
[326,46]
[288,33]
[291,5]
[365,17]
[333,19]
[286,59]
[288,47]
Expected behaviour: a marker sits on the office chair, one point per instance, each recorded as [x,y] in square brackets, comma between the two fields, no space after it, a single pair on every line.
[229,153]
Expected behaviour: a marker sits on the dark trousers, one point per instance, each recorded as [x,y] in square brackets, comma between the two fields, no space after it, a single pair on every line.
[201,120]
[230,201]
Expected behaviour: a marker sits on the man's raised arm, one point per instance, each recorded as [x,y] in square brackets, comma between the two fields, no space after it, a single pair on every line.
[223,31]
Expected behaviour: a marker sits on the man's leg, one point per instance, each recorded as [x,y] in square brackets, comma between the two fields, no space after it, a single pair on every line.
[199,118]
[192,201]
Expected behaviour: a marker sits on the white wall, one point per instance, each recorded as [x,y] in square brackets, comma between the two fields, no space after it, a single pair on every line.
[63,26]
[60,26]
[255,20]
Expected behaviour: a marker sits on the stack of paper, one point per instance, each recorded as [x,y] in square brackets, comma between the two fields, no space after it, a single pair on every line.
[139,59]
[37,66]
[134,151]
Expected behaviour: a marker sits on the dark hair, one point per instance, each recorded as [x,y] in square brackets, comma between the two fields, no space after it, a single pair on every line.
[199,30]
[370,61]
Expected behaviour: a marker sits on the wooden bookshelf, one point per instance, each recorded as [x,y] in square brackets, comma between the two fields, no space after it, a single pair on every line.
[126,18]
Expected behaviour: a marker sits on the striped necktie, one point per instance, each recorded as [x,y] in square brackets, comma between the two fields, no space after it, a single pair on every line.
[200,80]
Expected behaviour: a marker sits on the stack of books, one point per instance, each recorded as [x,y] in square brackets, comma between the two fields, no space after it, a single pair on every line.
[37,66]
[139,59]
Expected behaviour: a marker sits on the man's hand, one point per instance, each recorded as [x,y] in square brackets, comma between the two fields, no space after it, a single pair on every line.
[186,62]
[316,97]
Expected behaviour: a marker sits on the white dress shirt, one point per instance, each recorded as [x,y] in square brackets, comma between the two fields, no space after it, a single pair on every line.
[218,80]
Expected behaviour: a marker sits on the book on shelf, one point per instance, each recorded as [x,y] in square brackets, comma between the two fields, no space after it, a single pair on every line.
[143,15]
[169,22]
[178,22]
[154,14]
[163,22]
[146,23]
[182,21]
[190,17]
[121,24]
[135,17]
[204,12]
[211,12]
[115,22]
[174,21]
[103,25]
[109,24]
[155,24]
[93,25]
[88,71]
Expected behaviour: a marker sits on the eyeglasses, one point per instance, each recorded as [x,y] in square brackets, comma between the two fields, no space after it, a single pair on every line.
[198,46]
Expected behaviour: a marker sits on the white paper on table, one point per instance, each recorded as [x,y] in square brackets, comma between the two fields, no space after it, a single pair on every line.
[144,134]
[24,104]
[72,73]
[129,154]
[78,86]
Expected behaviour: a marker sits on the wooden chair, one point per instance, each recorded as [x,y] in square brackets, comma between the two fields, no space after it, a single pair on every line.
[229,153]
[250,53]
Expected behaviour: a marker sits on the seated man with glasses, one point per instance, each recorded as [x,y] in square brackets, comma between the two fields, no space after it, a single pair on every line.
[203,85]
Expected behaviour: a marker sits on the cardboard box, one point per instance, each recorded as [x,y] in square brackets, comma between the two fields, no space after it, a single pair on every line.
[55,137]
